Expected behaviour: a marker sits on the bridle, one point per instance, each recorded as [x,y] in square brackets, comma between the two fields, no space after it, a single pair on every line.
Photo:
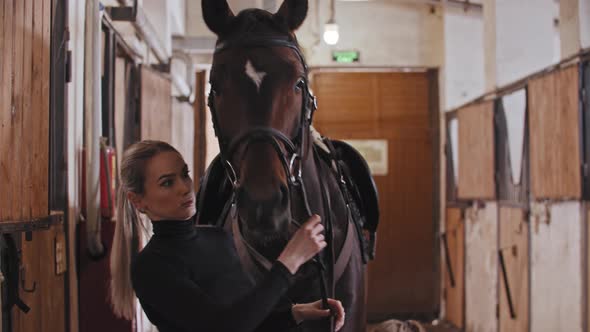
[290,150]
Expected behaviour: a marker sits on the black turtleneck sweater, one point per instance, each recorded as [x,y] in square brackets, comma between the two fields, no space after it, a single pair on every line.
[191,279]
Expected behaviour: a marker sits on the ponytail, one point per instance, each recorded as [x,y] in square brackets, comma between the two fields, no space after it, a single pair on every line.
[122,295]
[129,225]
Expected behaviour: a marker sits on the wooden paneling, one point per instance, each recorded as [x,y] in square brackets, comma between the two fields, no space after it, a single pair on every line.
[200,140]
[24,109]
[3,102]
[394,107]
[17,112]
[514,244]
[555,135]
[156,106]
[476,152]
[455,293]
[26,187]
[556,269]
[355,94]
[481,268]
[47,302]
[7,133]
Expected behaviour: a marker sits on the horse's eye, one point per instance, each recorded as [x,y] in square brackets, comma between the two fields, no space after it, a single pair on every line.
[300,84]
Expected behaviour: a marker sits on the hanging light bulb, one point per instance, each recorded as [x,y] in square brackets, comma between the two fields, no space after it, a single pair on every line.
[331,34]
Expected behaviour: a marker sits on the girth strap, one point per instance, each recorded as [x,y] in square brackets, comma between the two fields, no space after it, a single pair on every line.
[346,252]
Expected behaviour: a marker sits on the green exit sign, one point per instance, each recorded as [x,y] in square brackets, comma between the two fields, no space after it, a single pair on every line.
[346,56]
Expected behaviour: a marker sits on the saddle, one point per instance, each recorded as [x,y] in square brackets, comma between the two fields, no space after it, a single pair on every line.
[356,181]
[361,190]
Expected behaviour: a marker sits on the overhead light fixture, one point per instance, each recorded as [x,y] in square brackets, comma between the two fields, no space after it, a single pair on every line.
[331,34]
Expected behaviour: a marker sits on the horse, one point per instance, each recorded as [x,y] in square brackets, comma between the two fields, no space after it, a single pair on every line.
[273,170]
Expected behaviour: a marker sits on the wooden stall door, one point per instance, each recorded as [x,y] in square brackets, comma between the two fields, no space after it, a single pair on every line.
[392,107]
[554,135]
[476,152]
[42,285]
[24,109]
[514,246]
[455,267]
[25,56]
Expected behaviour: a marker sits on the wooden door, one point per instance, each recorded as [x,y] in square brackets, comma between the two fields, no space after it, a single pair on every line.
[394,108]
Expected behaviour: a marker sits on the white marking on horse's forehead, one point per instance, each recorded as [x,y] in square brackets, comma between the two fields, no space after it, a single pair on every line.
[256,76]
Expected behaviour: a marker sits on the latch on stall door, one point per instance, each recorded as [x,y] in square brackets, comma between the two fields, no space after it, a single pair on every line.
[60,253]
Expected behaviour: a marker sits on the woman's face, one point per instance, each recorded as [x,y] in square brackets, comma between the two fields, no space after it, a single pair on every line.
[168,189]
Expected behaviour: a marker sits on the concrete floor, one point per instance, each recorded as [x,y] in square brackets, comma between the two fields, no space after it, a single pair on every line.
[411,326]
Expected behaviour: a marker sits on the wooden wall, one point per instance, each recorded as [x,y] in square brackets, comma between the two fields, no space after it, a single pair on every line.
[476,152]
[156,106]
[555,136]
[24,108]
[25,36]
[537,223]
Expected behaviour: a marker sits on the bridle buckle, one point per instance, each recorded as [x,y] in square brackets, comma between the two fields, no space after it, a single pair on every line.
[295,174]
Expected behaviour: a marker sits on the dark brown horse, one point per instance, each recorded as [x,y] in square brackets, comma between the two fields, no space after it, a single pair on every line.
[270,175]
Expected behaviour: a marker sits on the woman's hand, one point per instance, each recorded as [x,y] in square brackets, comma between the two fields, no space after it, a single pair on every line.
[306,243]
[313,311]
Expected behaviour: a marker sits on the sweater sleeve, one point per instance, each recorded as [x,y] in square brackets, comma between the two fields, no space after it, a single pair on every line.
[181,302]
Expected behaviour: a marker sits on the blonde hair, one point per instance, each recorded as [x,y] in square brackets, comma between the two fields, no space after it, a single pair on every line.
[127,238]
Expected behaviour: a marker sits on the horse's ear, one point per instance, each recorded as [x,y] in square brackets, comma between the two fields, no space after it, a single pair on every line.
[293,12]
[217,15]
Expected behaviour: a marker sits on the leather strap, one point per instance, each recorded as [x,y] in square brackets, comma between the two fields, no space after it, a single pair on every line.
[345,253]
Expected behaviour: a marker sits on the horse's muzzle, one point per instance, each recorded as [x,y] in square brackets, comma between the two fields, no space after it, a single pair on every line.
[269,215]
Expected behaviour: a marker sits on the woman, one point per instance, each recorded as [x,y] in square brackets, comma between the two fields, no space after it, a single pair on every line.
[188,278]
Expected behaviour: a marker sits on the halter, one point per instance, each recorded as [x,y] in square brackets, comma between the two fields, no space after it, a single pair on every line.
[291,151]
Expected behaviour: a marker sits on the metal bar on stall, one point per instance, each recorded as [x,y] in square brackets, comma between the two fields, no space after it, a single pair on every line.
[35,224]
